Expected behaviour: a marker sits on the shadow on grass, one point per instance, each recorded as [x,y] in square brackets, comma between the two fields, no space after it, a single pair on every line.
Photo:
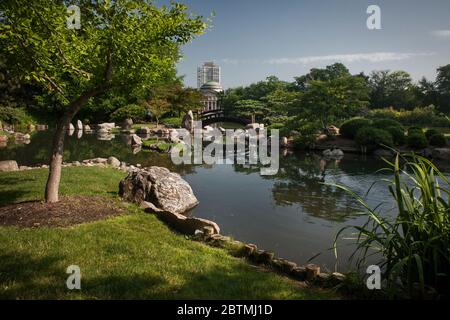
[26,277]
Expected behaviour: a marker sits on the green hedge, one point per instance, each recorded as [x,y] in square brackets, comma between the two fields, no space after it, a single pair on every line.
[386,123]
[350,127]
[438,140]
[398,135]
[372,138]
[431,132]
[417,140]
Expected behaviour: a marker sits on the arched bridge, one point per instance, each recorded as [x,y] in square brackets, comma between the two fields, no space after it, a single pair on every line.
[218,115]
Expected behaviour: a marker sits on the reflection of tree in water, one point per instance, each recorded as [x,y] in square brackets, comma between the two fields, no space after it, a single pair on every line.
[88,147]
[300,180]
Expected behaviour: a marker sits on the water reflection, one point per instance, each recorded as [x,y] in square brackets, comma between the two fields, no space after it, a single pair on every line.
[295,213]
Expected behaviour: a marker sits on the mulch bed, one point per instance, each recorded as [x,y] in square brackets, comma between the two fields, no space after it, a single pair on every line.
[68,211]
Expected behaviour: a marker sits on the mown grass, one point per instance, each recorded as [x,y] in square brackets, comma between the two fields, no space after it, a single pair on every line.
[134,256]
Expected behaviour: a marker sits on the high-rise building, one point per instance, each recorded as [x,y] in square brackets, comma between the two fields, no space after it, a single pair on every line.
[208,72]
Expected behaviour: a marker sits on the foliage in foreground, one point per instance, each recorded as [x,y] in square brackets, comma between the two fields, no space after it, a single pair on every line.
[415,246]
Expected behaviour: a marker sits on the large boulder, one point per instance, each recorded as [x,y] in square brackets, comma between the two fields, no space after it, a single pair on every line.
[127,124]
[188,121]
[166,190]
[8,165]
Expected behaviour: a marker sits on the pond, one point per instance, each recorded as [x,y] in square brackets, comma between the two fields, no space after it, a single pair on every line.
[295,213]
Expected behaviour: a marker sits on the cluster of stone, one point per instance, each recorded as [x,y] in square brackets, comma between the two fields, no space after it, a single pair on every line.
[309,272]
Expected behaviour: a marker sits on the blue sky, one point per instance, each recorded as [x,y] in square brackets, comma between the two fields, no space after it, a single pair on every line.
[252,39]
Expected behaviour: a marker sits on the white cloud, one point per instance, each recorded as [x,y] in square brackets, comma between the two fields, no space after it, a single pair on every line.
[349,58]
[445,34]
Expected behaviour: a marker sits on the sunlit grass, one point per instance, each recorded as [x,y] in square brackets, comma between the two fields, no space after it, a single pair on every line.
[134,256]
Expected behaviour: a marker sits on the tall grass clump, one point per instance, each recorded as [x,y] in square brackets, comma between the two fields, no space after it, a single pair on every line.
[414,247]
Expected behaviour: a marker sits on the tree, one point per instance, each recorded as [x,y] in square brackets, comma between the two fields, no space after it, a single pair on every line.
[326,101]
[392,89]
[121,45]
[250,108]
[443,87]
[184,99]
[157,106]
[428,94]
[330,72]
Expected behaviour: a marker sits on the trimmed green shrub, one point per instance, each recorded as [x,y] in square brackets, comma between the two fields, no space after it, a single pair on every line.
[417,140]
[385,123]
[132,111]
[438,140]
[415,129]
[350,127]
[398,134]
[431,132]
[373,138]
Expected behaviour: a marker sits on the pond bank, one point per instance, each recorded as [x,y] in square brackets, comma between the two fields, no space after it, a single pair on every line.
[128,253]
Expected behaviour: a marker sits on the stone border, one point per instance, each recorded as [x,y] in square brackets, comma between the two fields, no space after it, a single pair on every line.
[310,272]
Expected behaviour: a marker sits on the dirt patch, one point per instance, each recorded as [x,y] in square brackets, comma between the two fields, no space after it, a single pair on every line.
[68,211]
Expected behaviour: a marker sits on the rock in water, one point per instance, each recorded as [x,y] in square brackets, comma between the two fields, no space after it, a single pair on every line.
[164,189]
[108,126]
[188,120]
[8,165]
[136,140]
[127,124]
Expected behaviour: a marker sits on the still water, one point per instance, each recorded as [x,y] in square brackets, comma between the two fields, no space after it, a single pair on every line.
[295,213]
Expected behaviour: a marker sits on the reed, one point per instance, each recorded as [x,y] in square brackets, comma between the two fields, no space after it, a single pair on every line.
[414,246]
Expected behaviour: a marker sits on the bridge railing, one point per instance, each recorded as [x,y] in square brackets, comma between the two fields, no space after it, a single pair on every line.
[204,115]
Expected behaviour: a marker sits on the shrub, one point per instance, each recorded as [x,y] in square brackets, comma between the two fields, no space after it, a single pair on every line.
[398,134]
[417,140]
[386,123]
[307,137]
[424,116]
[373,138]
[350,127]
[133,111]
[415,129]
[16,116]
[438,140]
[431,132]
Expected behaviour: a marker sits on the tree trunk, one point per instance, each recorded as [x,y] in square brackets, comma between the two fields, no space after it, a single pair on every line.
[54,176]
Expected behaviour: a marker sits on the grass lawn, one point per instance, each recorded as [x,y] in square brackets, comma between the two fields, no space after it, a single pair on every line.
[134,256]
